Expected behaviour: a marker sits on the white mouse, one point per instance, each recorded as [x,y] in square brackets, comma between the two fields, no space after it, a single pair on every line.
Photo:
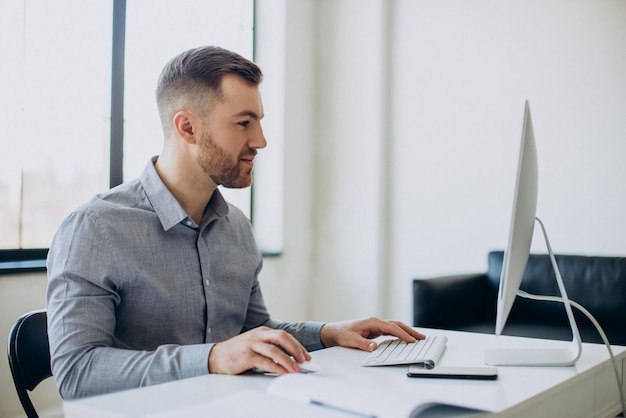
[306,367]
[310,367]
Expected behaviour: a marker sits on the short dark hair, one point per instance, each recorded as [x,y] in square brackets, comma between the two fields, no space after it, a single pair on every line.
[196,72]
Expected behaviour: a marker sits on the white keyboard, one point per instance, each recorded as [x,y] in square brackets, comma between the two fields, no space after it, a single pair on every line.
[393,352]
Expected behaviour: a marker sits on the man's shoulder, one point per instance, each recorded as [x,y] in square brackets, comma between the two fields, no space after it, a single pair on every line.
[127,196]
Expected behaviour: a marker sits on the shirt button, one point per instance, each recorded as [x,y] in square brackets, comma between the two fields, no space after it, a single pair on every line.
[189,223]
[206,282]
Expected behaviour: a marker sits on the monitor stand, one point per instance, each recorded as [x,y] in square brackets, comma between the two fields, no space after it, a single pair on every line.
[541,356]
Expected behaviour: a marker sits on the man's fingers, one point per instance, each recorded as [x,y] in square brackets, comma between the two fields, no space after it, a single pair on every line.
[379,327]
[282,349]
[375,327]
[290,345]
[409,330]
[273,366]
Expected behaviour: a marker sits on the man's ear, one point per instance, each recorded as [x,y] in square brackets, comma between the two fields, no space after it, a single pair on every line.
[184,126]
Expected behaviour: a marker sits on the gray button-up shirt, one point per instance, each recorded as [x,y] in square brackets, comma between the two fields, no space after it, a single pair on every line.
[138,292]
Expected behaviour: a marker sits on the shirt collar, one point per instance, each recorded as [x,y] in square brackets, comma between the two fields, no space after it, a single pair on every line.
[165,205]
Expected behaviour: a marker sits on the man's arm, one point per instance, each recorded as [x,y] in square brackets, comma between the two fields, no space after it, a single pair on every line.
[86,357]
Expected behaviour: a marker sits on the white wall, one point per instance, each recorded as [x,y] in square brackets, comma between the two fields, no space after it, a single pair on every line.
[462,71]
[288,65]
[349,174]
[422,102]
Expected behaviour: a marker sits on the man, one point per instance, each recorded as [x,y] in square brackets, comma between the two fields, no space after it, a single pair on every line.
[157,279]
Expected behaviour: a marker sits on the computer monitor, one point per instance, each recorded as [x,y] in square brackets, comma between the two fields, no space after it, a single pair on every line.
[522,223]
[515,260]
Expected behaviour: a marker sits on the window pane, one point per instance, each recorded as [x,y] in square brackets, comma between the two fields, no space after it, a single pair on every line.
[155,32]
[54,110]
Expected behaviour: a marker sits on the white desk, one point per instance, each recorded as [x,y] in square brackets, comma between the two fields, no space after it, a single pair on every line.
[588,389]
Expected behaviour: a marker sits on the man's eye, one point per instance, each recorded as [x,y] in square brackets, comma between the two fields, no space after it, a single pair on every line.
[244,123]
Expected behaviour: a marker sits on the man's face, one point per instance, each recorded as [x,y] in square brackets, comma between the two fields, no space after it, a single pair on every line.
[232,134]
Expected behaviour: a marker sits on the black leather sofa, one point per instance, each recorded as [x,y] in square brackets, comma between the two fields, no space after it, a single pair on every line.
[467,302]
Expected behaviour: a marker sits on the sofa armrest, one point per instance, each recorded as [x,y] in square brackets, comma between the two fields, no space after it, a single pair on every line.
[451,302]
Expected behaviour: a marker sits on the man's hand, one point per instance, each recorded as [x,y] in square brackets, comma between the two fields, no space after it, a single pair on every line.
[264,348]
[359,333]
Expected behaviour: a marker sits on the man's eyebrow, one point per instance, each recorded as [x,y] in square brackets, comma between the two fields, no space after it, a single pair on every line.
[250,114]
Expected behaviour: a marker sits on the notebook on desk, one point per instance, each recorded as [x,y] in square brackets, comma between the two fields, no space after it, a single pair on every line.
[310,396]
[393,352]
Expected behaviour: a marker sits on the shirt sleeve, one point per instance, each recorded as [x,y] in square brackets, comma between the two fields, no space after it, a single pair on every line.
[307,333]
[81,301]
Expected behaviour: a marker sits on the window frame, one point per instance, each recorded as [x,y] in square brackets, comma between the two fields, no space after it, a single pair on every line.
[23,260]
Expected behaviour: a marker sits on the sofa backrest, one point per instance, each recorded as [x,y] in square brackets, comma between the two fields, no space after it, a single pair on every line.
[597,283]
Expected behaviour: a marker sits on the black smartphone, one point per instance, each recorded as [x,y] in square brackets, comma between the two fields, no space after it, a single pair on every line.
[477,373]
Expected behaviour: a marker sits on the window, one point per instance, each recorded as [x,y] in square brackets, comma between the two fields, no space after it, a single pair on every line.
[59,60]
[54,113]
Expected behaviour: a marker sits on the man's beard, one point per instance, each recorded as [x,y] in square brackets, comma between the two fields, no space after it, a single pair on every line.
[220,167]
